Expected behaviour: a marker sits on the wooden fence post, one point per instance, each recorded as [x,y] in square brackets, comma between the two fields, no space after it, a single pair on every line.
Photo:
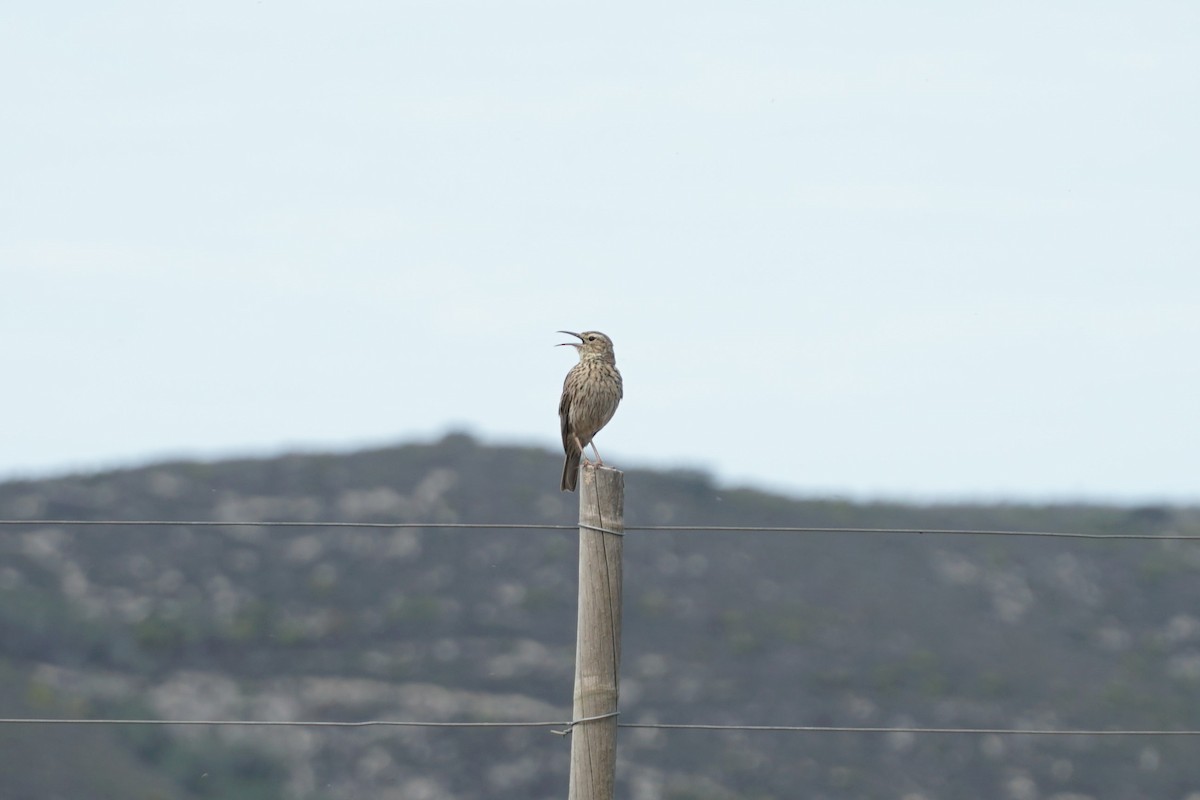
[598,636]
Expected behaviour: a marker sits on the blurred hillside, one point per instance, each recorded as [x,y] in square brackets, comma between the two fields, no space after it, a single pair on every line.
[411,624]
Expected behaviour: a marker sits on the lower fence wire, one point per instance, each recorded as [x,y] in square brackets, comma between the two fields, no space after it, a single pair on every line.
[567,725]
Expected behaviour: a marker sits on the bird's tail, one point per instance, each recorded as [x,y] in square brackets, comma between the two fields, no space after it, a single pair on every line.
[571,471]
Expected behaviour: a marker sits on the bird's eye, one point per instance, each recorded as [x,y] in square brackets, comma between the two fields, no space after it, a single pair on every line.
[591,338]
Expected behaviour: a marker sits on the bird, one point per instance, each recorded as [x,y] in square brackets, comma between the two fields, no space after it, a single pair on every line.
[591,392]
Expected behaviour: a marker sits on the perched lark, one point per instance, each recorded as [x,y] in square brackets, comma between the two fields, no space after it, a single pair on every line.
[590,395]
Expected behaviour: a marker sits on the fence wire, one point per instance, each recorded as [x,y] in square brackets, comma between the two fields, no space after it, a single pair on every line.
[568,724]
[480,526]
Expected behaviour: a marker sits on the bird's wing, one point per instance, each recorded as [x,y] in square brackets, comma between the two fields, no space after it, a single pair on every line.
[564,416]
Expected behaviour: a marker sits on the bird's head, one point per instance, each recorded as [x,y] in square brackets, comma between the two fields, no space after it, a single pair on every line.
[591,344]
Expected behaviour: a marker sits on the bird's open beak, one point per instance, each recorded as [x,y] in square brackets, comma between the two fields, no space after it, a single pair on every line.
[572,344]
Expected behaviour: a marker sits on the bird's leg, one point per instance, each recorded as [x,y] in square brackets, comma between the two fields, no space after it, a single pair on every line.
[582,452]
[599,460]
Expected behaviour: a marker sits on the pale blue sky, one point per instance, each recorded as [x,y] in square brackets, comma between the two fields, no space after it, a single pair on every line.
[933,250]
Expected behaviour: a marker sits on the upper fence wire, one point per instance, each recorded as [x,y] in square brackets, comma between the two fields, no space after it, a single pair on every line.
[802,529]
